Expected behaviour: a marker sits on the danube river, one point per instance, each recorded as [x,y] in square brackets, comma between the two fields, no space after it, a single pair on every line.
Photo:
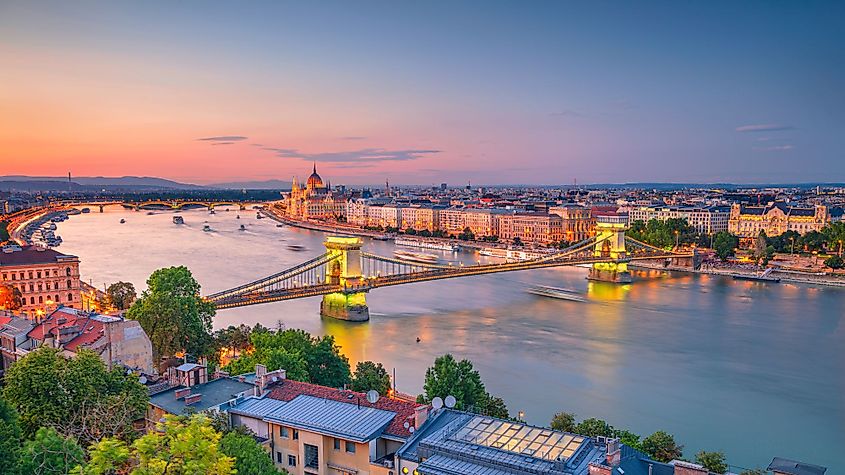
[756,370]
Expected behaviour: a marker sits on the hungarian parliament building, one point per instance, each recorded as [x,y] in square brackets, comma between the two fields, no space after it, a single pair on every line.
[315,201]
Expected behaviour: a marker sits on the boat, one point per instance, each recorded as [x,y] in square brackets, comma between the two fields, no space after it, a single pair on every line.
[238,217]
[259,216]
[86,210]
[206,228]
[242,228]
[122,220]
[211,211]
[440,246]
[178,220]
[764,276]
[51,226]
[150,213]
[510,254]
[280,225]
[296,247]
[556,293]
[416,257]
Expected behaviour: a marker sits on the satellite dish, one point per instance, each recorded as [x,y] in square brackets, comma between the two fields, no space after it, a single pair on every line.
[142,380]
[450,401]
[372,396]
[406,425]
[437,403]
[411,430]
[274,378]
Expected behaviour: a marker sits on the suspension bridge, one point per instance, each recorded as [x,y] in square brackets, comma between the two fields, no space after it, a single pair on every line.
[345,273]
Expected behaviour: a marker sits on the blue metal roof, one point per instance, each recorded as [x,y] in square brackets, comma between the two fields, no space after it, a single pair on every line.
[214,393]
[335,418]
[443,465]
[256,407]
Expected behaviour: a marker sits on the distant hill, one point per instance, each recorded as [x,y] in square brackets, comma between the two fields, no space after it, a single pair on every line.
[124,183]
[254,185]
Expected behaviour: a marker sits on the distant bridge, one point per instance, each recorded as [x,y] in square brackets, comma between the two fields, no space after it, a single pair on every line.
[344,273]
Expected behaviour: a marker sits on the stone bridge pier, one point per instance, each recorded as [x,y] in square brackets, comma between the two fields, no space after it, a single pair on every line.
[351,302]
[610,244]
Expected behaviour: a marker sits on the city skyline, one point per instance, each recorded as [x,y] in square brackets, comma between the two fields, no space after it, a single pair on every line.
[420,94]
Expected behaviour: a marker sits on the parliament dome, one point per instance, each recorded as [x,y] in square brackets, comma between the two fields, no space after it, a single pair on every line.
[314,181]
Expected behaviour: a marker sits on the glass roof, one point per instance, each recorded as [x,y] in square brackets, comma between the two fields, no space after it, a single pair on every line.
[519,438]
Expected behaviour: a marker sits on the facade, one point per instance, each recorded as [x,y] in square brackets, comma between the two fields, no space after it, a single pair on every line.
[775,219]
[314,201]
[709,220]
[535,228]
[577,222]
[45,277]
[420,218]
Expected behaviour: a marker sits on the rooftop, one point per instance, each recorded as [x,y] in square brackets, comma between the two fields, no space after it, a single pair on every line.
[341,419]
[793,467]
[214,393]
[30,255]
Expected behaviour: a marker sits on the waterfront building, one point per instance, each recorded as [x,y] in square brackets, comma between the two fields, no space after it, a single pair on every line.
[45,277]
[315,201]
[420,218]
[707,220]
[538,228]
[577,223]
[775,219]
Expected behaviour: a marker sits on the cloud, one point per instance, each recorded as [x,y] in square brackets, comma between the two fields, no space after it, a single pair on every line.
[774,148]
[257,145]
[222,143]
[223,138]
[569,113]
[362,155]
[764,128]
[353,137]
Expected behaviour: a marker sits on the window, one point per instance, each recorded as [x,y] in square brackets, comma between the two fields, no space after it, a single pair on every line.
[337,444]
[312,456]
[57,298]
[32,300]
[38,274]
[279,457]
[292,460]
[68,283]
[295,434]
[14,277]
[40,299]
[283,432]
[30,274]
[67,271]
[6,276]
[69,297]
[350,447]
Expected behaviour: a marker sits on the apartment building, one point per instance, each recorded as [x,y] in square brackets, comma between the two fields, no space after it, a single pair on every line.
[536,228]
[707,220]
[45,278]
[577,223]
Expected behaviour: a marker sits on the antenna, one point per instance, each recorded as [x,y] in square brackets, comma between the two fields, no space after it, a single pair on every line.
[372,396]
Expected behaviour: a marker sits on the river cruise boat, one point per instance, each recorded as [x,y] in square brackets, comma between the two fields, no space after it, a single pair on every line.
[416,257]
[511,254]
[764,276]
[296,247]
[556,293]
[440,246]
[178,220]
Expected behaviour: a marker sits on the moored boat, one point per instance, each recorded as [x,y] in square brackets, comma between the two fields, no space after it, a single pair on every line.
[416,257]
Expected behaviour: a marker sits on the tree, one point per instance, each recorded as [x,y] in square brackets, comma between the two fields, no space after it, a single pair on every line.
[760,243]
[10,297]
[174,315]
[79,397]
[517,241]
[181,445]
[628,438]
[564,421]
[369,375]
[725,244]
[327,366]
[449,377]
[467,235]
[661,446]
[50,454]
[712,461]
[753,471]
[120,295]
[10,438]
[495,406]
[411,232]
[249,457]
[593,427]
[834,262]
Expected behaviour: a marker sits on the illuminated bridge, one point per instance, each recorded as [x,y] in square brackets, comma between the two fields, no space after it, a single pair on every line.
[179,204]
[344,273]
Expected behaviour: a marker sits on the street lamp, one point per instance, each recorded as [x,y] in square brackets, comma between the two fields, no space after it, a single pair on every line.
[792,248]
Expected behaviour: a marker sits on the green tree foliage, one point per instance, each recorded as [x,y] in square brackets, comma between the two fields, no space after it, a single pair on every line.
[834,262]
[449,377]
[834,235]
[594,428]
[304,357]
[234,339]
[249,457]
[120,295]
[753,471]
[174,315]
[813,241]
[661,446]
[80,397]
[517,241]
[564,421]
[180,446]
[49,453]
[10,438]
[495,406]
[10,297]
[663,233]
[411,232]
[628,438]
[760,243]
[467,235]
[725,244]
[369,375]
[712,461]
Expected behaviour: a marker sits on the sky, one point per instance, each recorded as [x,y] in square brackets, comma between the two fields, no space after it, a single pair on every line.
[488,92]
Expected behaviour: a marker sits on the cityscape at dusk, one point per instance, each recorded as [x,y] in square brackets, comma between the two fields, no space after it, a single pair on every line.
[422,238]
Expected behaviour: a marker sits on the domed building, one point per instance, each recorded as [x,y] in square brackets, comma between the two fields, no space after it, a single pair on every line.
[315,201]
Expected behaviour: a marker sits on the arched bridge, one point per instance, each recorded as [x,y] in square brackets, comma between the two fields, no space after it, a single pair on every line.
[179,204]
[344,273]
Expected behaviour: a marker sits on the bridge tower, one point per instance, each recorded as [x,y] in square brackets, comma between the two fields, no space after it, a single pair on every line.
[350,303]
[610,244]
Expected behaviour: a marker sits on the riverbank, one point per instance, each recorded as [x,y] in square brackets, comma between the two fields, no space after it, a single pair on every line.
[784,276]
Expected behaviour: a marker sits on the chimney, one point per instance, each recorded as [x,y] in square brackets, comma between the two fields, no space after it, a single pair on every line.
[420,416]
[687,468]
[614,452]
[182,392]
[193,399]
[599,469]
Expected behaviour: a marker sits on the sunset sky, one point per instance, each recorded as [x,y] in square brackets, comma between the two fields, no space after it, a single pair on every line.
[425,92]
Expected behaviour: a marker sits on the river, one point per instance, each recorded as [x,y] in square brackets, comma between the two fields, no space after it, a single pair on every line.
[755,370]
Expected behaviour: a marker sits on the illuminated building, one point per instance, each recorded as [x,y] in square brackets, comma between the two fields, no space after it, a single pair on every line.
[776,219]
[577,222]
[420,218]
[530,227]
[710,220]
[315,201]
[45,278]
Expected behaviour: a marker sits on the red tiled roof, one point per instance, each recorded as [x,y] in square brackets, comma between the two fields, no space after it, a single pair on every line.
[30,255]
[90,330]
[287,390]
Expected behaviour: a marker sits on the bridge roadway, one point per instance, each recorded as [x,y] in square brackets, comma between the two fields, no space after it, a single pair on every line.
[441,272]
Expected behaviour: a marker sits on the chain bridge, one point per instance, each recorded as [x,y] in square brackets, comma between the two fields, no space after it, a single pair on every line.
[345,273]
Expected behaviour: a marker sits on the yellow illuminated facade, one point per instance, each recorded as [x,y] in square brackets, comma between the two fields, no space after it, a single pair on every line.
[314,201]
[610,244]
[351,302]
